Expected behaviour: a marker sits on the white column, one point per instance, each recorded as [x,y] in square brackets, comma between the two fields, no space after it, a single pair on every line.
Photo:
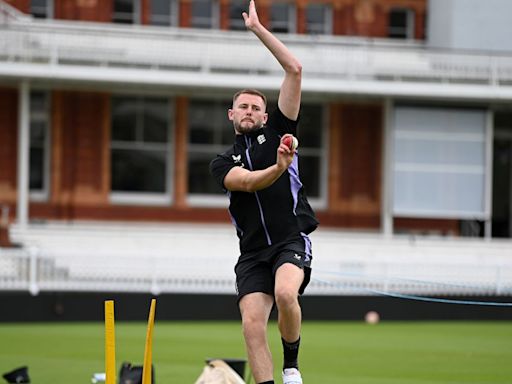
[23,153]
[387,174]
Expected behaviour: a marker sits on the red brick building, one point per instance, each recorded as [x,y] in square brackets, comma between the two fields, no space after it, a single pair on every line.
[102,148]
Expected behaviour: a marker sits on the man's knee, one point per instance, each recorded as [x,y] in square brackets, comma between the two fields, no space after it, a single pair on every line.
[253,324]
[286,297]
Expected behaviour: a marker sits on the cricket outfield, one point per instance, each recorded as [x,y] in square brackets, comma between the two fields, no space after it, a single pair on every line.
[390,352]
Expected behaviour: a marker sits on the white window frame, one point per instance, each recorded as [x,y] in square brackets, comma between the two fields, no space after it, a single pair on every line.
[239,20]
[215,23]
[151,198]
[505,135]
[486,168]
[136,16]
[292,17]
[173,18]
[327,25]
[43,116]
[409,27]
[48,9]
[320,201]
[205,199]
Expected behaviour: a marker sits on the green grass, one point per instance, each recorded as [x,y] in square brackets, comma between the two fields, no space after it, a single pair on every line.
[332,352]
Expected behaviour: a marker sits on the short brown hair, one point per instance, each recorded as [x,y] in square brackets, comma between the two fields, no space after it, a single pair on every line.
[250,92]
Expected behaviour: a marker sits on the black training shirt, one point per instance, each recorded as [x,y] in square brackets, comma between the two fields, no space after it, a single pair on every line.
[278,212]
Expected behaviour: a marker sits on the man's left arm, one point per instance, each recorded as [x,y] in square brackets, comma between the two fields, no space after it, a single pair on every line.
[290,92]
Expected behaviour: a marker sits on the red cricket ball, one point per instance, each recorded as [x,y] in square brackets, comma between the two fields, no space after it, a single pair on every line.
[291,142]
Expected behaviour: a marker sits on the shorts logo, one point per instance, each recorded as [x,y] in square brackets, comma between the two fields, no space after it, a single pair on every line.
[261,139]
[296,256]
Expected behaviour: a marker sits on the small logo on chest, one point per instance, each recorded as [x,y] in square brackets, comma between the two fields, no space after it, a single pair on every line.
[237,159]
[261,139]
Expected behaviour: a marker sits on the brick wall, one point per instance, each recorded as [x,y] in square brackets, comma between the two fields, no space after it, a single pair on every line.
[355,160]
[350,17]
[8,144]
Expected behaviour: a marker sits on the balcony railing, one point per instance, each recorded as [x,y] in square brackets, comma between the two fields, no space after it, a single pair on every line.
[102,52]
[168,258]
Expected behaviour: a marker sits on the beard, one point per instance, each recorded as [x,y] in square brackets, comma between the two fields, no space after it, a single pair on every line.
[244,127]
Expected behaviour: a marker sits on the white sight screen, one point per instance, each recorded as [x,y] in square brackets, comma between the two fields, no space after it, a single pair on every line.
[439,162]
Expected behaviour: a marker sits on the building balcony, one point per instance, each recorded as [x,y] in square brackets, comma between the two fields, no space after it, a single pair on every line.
[101,54]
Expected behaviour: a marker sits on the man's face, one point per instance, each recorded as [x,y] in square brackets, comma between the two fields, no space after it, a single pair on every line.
[248,113]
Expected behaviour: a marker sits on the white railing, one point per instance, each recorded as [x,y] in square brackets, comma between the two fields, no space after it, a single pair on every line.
[90,48]
[122,258]
[200,259]
[408,265]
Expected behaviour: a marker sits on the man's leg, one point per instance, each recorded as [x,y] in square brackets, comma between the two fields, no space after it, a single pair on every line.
[255,309]
[289,278]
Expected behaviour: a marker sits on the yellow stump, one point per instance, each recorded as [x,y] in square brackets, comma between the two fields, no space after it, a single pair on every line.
[110,343]
[146,368]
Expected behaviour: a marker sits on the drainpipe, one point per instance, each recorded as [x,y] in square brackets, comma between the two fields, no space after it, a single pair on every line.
[23,154]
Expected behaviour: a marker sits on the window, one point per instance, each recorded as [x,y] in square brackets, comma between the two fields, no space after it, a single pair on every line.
[41,9]
[164,12]
[401,23]
[140,150]
[210,133]
[312,150]
[439,154]
[318,19]
[39,145]
[204,14]
[126,12]
[502,175]
[282,18]
[236,21]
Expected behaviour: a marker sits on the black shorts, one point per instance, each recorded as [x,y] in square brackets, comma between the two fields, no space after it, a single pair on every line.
[255,271]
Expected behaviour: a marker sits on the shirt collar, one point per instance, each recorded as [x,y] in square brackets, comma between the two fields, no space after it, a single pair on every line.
[242,139]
